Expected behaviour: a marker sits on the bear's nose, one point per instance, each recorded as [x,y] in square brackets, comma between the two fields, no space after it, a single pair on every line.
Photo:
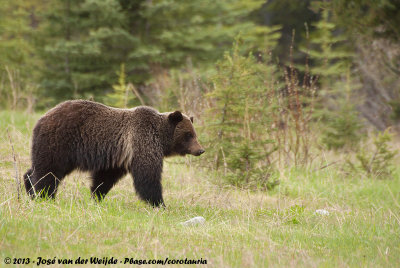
[201,151]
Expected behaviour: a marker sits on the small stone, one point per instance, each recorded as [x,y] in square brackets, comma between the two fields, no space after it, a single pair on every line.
[323,212]
[194,221]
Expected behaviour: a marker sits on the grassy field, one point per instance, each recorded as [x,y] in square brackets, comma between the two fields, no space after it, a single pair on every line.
[243,228]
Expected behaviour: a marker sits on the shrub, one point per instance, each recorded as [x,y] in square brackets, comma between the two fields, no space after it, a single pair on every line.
[256,124]
[342,129]
[378,162]
[240,126]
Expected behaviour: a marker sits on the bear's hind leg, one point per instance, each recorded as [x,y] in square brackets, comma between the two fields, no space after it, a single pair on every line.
[43,183]
[104,180]
[28,183]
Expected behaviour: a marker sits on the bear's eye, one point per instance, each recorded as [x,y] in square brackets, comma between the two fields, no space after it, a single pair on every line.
[188,136]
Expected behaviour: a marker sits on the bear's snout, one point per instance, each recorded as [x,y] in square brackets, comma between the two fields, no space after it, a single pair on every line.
[199,152]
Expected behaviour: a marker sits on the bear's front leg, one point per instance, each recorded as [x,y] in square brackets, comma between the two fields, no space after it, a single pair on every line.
[104,180]
[147,181]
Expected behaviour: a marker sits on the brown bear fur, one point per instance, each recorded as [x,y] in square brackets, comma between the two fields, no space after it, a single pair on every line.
[109,143]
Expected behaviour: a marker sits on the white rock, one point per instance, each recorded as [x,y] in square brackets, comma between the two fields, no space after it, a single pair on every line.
[322,212]
[194,221]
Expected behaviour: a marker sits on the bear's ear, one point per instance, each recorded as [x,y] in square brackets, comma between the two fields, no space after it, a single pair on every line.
[191,119]
[175,117]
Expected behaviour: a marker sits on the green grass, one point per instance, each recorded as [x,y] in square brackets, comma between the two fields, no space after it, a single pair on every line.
[243,228]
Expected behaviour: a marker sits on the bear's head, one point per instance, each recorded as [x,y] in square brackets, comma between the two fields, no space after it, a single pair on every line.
[184,138]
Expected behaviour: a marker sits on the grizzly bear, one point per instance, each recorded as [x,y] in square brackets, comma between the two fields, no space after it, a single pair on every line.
[108,142]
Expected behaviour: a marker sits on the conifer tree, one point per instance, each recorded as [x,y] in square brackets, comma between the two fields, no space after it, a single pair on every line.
[331,63]
[121,95]
[19,62]
[171,31]
[330,57]
[85,43]
[241,141]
